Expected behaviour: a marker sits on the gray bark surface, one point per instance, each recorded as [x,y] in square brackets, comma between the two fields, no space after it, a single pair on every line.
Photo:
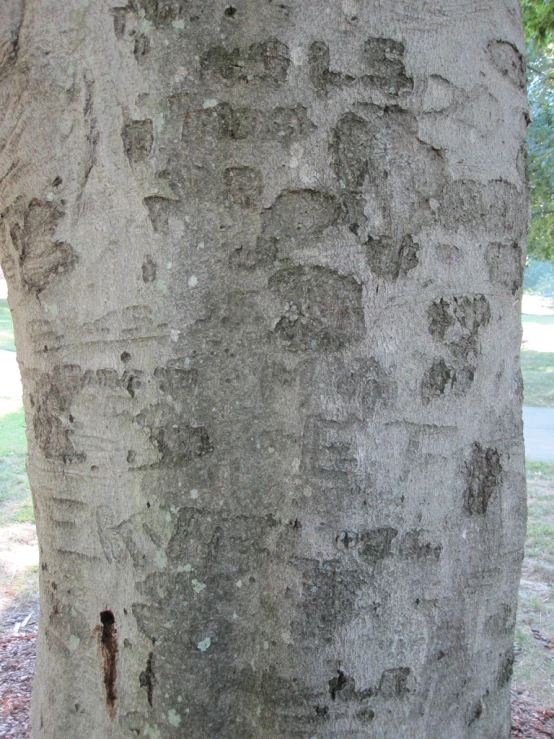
[265,262]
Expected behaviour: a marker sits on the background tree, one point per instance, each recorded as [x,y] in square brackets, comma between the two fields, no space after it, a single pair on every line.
[539,26]
[265,262]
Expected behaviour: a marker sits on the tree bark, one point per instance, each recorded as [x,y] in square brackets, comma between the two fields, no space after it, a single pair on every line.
[265,263]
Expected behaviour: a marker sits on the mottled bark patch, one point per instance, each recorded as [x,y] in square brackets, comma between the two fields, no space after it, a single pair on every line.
[319,69]
[411,547]
[363,385]
[282,125]
[51,400]
[390,258]
[141,47]
[266,62]
[457,322]
[506,668]
[138,137]
[496,207]
[343,684]
[244,186]
[119,16]
[441,379]
[179,383]
[376,544]
[159,210]
[180,444]
[395,683]
[483,477]
[366,148]
[505,265]
[12,19]
[329,595]
[40,257]
[502,622]
[384,58]
[323,309]
[147,678]
[351,150]
[328,454]
[384,68]
[160,12]
[296,219]
[149,269]
[508,61]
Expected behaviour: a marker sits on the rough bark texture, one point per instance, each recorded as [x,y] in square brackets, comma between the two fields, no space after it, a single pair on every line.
[264,261]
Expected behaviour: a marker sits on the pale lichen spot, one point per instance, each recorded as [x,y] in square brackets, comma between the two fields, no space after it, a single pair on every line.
[193,281]
[173,717]
[161,559]
[180,24]
[187,568]
[194,493]
[152,732]
[297,56]
[239,583]
[204,644]
[234,615]
[266,645]
[210,103]
[197,586]
[146,27]
[74,642]
[159,122]
[179,699]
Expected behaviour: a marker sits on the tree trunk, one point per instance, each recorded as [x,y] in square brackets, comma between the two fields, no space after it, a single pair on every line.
[265,264]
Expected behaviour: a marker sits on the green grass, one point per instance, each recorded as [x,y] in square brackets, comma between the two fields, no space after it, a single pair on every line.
[6,327]
[534,665]
[12,434]
[543,320]
[539,470]
[15,495]
[538,378]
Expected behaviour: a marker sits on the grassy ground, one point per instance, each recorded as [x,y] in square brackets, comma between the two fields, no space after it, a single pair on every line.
[538,377]
[542,320]
[534,639]
[15,496]
[6,328]
[18,545]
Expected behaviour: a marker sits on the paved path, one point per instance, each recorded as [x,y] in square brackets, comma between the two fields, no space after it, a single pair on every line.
[539,433]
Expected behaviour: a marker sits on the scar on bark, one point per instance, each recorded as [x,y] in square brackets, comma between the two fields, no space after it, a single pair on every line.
[147,678]
[108,647]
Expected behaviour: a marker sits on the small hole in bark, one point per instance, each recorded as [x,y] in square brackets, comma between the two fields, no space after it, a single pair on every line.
[230,11]
[148,504]
[125,357]
[108,646]
[57,182]
[337,684]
